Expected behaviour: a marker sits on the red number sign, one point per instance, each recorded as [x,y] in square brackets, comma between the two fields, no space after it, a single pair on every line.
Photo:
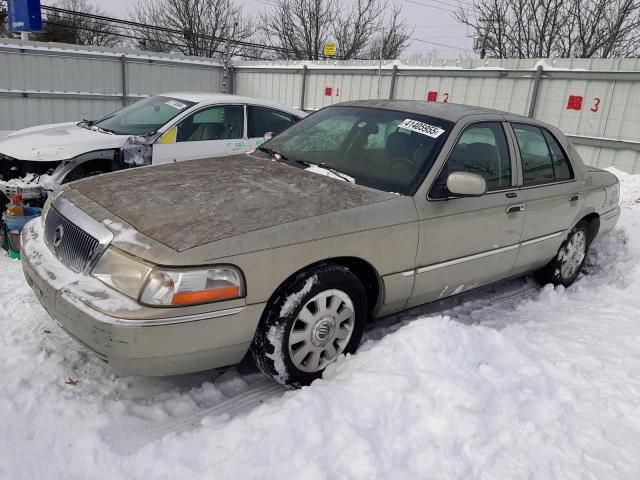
[574,103]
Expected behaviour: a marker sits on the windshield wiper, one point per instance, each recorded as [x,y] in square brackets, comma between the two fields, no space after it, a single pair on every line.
[333,170]
[106,130]
[273,153]
[85,123]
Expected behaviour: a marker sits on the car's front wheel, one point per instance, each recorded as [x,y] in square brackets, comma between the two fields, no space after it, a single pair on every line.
[312,320]
[566,265]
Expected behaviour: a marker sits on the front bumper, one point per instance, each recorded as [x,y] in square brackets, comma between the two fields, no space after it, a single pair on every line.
[150,346]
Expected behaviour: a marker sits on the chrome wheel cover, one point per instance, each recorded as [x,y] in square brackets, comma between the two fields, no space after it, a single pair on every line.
[572,254]
[321,330]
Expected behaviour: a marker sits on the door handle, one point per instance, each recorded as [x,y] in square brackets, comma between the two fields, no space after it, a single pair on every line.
[574,198]
[518,207]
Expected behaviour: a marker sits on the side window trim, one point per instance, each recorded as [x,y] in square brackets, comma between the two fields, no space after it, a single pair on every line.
[511,147]
[520,184]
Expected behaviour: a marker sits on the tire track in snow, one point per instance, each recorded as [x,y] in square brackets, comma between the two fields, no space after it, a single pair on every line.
[127,439]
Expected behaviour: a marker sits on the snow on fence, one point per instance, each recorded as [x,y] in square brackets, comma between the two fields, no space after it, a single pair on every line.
[596,102]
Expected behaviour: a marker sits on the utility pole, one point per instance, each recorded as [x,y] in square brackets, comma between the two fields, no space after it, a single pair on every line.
[483,48]
[227,59]
[380,66]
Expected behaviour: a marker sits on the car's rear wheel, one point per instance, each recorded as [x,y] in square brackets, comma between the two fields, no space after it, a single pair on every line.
[309,323]
[566,265]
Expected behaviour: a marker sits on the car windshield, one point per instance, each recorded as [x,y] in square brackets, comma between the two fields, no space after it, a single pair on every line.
[383,149]
[143,117]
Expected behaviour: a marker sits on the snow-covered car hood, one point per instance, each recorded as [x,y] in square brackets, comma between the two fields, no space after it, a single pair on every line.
[188,204]
[62,141]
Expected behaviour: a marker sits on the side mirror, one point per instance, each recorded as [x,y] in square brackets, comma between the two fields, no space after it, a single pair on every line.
[268,136]
[465,184]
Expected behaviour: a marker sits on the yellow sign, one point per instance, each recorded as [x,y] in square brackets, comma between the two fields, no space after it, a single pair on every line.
[330,49]
[169,136]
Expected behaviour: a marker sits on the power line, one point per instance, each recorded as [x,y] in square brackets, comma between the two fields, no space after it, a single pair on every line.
[430,6]
[453,47]
[440,2]
[124,35]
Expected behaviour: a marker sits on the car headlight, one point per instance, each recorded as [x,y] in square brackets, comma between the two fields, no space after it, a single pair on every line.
[175,287]
[122,272]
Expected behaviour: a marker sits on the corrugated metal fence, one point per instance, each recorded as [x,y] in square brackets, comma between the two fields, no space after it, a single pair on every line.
[596,102]
[49,83]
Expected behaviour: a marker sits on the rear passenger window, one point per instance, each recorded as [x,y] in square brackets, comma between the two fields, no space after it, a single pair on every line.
[482,149]
[561,166]
[543,160]
[263,120]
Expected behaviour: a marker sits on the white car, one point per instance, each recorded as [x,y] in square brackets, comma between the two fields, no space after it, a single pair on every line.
[160,129]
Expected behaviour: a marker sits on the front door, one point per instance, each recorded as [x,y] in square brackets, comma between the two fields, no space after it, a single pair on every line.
[473,241]
[210,132]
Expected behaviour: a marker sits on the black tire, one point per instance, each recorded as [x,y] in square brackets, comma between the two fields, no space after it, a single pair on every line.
[554,272]
[270,347]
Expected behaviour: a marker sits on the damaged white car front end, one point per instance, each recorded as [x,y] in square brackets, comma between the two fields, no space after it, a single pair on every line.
[35,161]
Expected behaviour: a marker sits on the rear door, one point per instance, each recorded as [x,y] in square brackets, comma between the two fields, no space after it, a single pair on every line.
[209,132]
[549,192]
[473,241]
[261,120]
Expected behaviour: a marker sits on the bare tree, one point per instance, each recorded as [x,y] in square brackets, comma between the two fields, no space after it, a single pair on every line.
[203,25]
[300,28]
[353,31]
[393,39]
[75,27]
[546,28]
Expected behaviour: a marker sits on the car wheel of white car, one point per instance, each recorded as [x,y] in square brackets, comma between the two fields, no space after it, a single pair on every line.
[309,323]
[566,265]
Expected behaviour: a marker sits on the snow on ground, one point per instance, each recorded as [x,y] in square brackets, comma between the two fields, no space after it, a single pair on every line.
[510,382]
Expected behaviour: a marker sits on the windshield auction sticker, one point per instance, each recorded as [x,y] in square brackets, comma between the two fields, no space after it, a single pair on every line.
[423,128]
[175,104]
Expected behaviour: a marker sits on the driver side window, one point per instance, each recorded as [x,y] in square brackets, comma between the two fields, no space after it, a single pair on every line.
[222,122]
[481,149]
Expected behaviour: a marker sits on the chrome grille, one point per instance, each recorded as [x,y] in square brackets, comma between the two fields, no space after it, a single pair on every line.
[69,243]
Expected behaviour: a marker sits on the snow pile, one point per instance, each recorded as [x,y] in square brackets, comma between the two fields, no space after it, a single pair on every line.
[539,385]
[32,180]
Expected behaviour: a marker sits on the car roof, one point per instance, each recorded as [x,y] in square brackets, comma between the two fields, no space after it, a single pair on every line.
[453,112]
[212,98]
